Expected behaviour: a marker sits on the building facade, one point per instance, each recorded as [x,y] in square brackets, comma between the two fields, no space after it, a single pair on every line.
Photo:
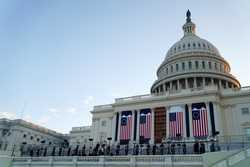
[194,97]
[16,133]
[80,135]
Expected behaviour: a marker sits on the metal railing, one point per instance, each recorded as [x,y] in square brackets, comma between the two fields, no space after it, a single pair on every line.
[169,147]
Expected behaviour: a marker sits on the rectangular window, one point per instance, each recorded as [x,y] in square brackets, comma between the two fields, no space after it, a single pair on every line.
[177,67]
[183,66]
[247,132]
[104,123]
[190,65]
[203,65]
[245,111]
[209,65]
[196,64]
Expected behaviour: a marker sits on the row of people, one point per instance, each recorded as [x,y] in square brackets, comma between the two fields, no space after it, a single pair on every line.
[136,149]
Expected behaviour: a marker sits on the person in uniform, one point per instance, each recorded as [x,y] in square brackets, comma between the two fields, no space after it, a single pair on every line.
[162,148]
[184,148]
[173,148]
[117,151]
[196,147]
[148,148]
[154,149]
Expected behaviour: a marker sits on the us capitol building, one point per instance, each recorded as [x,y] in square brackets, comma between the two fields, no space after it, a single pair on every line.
[193,75]
[194,97]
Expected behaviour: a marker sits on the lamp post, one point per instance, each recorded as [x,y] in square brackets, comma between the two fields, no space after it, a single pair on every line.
[91,141]
[109,139]
[90,148]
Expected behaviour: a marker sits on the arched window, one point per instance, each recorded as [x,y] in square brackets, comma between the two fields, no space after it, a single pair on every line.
[209,65]
[177,67]
[215,66]
[172,68]
[183,65]
[167,70]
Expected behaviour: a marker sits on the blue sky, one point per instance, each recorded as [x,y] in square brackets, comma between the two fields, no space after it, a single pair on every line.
[61,57]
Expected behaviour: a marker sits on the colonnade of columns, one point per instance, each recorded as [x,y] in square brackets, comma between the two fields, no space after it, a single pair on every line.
[136,138]
[193,82]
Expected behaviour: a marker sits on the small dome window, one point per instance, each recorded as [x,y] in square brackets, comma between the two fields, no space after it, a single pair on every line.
[203,64]
[208,46]
[174,49]
[171,68]
[199,45]
[196,64]
[183,65]
[204,45]
[179,47]
[194,45]
[190,65]
[188,44]
[209,65]
[177,67]
[183,46]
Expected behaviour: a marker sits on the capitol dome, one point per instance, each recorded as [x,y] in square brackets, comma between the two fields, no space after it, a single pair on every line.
[193,62]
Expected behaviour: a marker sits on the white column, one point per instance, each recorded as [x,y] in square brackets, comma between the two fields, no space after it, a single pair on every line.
[186,83]
[137,127]
[203,82]
[227,84]
[184,121]
[133,123]
[209,119]
[195,82]
[167,122]
[164,87]
[152,126]
[119,126]
[113,126]
[217,118]
[178,84]
[171,85]
[220,85]
[212,81]
[190,120]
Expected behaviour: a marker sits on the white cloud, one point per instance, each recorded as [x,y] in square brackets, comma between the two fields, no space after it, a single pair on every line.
[8,115]
[71,110]
[89,100]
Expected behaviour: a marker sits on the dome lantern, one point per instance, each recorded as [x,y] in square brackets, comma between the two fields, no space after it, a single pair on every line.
[189,26]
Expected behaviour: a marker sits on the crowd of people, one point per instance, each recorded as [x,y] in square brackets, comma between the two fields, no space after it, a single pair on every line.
[110,150]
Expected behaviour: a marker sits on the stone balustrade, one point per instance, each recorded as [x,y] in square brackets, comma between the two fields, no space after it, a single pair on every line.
[101,161]
[233,159]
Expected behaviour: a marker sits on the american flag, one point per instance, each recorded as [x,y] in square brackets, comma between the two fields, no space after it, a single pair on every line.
[126,125]
[200,121]
[145,124]
[175,124]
